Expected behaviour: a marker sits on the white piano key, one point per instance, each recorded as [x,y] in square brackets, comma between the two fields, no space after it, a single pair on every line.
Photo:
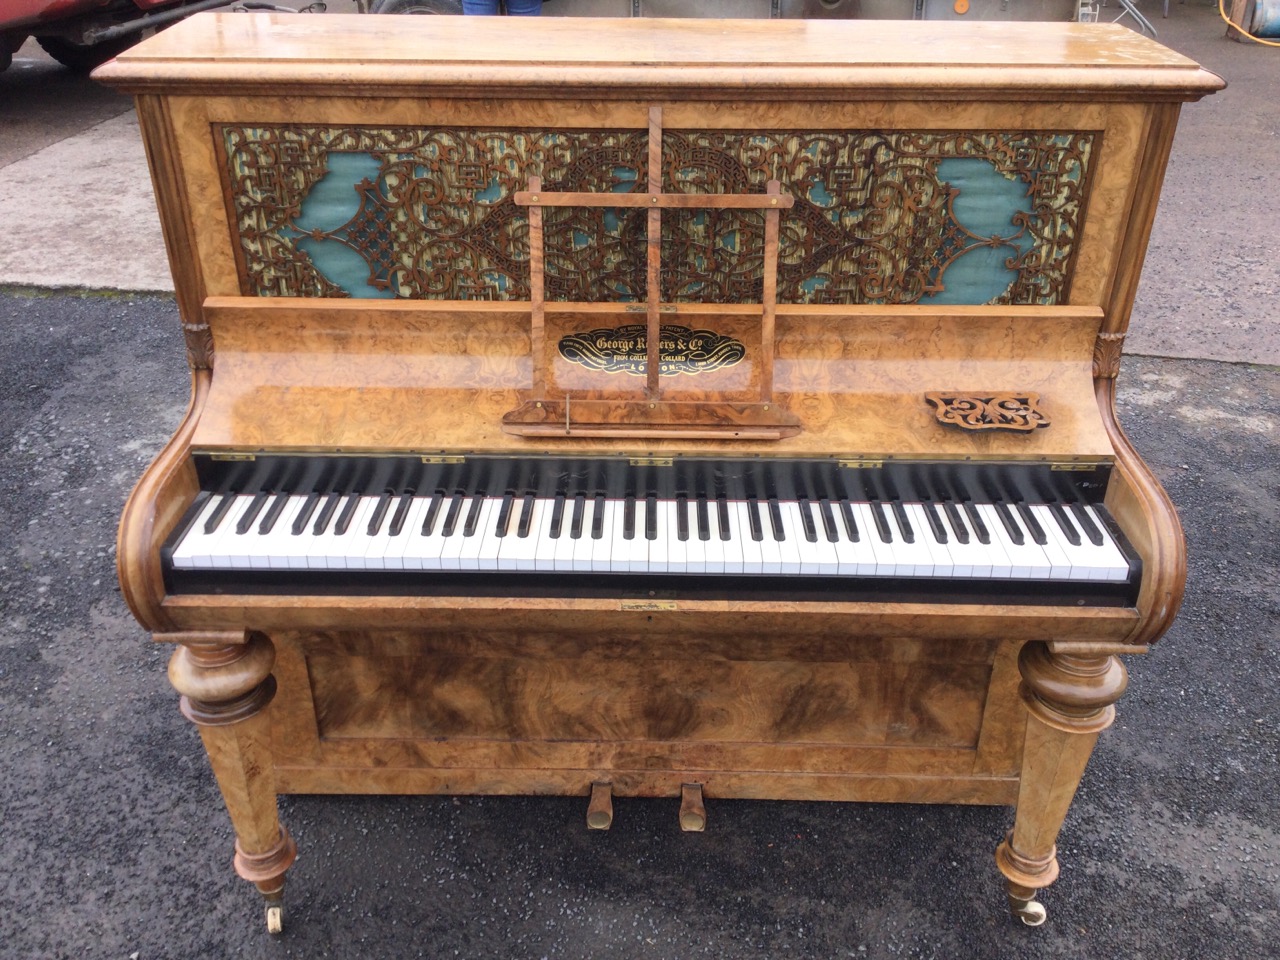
[659,547]
[512,551]
[592,554]
[854,558]
[939,555]
[824,550]
[1060,564]
[636,550]
[451,549]
[673,558]
[1026,560]
[281,548]
[400,554]
[1107,559]
[232,549]
[713,547]
[422,552]
[695,547]
[192,551]
[565,544]
[971,559]
[752,562]
[789,548]
[770,547]
[474,546]
[885,558]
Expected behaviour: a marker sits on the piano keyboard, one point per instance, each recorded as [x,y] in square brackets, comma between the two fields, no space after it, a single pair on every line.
[265,536]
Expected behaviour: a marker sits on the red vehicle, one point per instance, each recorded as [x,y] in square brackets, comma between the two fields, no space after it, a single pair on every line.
[84,33]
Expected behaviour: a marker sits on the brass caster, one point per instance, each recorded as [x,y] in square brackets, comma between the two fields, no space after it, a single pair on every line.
[1030,912]
[275,919]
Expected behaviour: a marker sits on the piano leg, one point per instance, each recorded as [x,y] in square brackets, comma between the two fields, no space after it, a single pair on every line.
[1070,699]
[226,684]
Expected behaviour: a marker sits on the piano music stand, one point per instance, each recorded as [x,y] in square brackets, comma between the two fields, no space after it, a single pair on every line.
[653,416]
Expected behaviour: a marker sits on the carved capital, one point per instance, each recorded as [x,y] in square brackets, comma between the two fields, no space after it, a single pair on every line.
[1071,692]
[1106,355]
[199,341]
[223,683]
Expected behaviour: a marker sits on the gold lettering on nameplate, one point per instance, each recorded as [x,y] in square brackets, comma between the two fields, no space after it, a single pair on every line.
[625,350]
[646,605]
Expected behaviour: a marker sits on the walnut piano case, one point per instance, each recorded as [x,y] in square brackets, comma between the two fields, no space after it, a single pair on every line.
[733,372]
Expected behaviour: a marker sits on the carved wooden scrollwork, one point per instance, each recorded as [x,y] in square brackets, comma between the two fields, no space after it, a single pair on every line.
[994,411]
[1106,355]
[199,342]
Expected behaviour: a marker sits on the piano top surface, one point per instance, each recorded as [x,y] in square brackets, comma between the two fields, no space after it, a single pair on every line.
[860,58]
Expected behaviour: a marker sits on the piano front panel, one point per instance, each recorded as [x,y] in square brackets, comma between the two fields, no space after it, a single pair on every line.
[393,377]
[1069,180]
[860,718]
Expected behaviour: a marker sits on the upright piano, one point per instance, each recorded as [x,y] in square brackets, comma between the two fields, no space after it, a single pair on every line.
[686,409]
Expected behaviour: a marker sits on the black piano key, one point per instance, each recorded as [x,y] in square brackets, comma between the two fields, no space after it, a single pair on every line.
[775,520]
[806,518]
[451,516]
[753,519]
[1010,524]
[881,521]
[346,514]
[575,523]
[597,517]
[379,513]
[1032,524]
[850,522]
[682,517]
[828,521]
[904,522]
[304,515]
[433,511]
[651,518]
[219,512]
[473,515]
[1064,524]
[957,522]
[504,515]
[273,513]
[557,516]
[629,518]
[975,520]
[251,514]
[704,521]
[1087,525]
[526,516]
[722,518]
[935,521]
[402,512]
[326,513]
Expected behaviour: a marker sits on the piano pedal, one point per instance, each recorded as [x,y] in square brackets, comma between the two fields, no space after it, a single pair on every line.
[600,808]
[693,813]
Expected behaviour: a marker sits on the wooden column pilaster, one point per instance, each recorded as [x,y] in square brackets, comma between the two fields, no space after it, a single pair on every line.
[1070,700]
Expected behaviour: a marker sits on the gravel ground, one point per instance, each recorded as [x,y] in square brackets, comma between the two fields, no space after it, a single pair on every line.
[114,842]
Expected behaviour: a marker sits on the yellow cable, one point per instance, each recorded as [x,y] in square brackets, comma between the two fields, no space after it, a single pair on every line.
[1222,10]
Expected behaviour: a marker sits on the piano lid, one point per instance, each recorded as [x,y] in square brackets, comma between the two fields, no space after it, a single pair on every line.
[567,57]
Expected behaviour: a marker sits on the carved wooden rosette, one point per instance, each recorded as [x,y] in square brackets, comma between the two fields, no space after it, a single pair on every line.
[1070,699]
[226,684]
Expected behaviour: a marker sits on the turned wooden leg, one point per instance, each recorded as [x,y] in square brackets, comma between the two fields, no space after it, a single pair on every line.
[1070,699]
[225,689]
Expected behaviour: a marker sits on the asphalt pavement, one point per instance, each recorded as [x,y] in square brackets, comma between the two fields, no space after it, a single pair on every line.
[113,838]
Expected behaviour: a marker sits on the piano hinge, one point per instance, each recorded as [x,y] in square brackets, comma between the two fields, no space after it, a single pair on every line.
[856,464]
[234,457]
[444,459]
[1078,467]
[651,461]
